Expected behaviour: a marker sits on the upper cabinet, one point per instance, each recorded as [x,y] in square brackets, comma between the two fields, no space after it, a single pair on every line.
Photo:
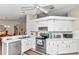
[53,23]
[34,26]
[59,25]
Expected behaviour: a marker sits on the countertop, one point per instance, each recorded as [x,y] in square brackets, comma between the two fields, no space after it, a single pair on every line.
[13,38]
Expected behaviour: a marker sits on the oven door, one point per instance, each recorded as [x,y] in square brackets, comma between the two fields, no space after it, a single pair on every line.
[40,42]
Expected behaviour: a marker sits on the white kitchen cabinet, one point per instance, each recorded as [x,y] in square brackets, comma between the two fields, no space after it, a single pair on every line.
[11,47]
[24,45]
[73,44]
[33,43]
[52,47]
[61,47]
[43,24]
[34,26]
[55,25]
[27,44]
[51,25]
[63,25]
[69,46]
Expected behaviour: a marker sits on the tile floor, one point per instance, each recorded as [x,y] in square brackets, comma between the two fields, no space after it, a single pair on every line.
[32,52]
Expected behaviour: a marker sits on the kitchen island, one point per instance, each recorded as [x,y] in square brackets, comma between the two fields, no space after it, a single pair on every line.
[16,45]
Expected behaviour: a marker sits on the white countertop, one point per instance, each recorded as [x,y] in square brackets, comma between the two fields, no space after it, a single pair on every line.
[61,39]
[12,38]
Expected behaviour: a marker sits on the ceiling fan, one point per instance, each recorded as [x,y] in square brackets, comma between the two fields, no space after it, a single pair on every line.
[34,9]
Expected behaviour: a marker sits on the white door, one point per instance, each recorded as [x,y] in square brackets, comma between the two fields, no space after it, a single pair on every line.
[24,45]
[51,25]
[54,25]
[68,46]
[73,46]
[52,48]
[34,26]
[63,25]
[33,43]
[30,43]
[60,47]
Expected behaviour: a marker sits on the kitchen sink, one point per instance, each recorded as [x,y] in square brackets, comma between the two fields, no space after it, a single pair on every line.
[24,37]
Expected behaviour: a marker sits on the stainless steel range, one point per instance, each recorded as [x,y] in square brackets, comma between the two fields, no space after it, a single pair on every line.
[41,42]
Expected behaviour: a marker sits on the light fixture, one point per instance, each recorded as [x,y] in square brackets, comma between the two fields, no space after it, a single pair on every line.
[6,26]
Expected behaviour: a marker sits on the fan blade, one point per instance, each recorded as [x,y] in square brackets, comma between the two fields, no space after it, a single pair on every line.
[43,10]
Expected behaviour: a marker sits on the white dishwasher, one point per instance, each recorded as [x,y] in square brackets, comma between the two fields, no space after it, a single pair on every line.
[12,48]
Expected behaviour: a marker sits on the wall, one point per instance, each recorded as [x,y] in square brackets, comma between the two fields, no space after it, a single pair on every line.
[11,23]
[28,24]
[75,13]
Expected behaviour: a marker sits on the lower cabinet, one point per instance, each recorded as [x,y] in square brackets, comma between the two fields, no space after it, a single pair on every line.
[27,44]
[33,43]
[24,44]
[51,48]
[61,47]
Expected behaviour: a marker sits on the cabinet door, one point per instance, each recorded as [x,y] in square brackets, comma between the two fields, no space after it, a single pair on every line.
[33,42]
[63,25]
[34,26]
[68,46]
[48,47]
[54,25]
[52,48]
[44,24]
[30,43]
[14,48]
[24,45]
[51,25]
[73,46]
[60,47]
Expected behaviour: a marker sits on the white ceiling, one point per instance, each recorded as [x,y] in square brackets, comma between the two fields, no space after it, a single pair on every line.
[62,9]
[13,11]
